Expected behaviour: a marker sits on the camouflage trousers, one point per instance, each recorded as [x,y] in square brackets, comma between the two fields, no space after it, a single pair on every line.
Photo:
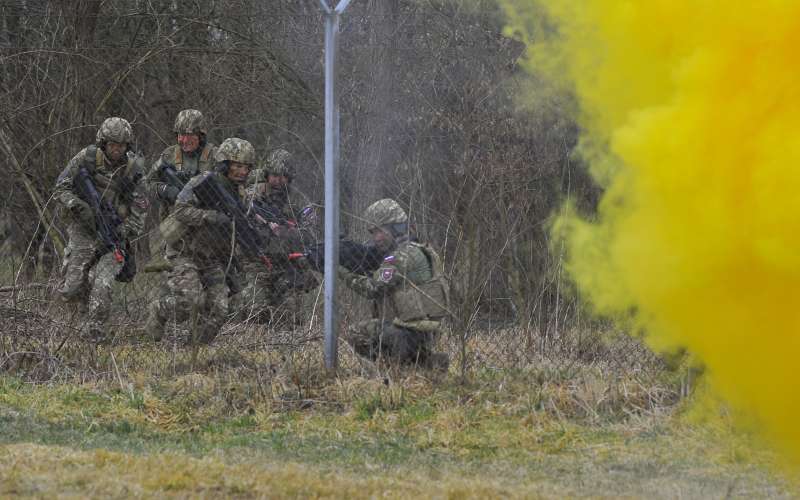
[376,338]
[87,278]
[262,290]
[193,291]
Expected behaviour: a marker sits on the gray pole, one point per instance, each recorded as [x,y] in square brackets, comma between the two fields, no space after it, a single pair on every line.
[331,320]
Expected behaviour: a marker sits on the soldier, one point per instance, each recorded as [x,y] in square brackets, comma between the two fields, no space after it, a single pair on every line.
[201,253]
[275,211]
[90,266]
[408,291]
[192,154]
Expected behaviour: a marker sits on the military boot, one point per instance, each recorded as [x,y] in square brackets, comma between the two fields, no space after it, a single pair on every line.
[95,332]
[154,328]
[204,334]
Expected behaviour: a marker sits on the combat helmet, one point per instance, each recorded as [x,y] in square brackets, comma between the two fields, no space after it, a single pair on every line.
[384,212]
[115,129]
[280,163]
[235,149]
[190,121]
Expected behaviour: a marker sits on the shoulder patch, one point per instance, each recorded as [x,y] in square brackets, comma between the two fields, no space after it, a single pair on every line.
[387,274]
[389,259]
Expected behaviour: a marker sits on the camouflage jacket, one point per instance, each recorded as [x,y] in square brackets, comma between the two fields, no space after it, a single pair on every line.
[283,238]
[118,183]
[405,290]
[200,238]
[186,166]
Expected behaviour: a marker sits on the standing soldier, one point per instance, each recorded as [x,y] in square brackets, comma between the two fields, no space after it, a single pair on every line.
[408,291]
[201,253]
[192,155]
[100,187]
[276,212]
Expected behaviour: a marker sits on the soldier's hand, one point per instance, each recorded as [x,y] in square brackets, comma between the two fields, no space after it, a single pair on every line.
[82,213]
[170,193]
[214,218]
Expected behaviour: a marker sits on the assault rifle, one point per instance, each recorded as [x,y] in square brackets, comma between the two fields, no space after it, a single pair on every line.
[107,221]
[172,177]
[213,195]
[355,257]
[271,214]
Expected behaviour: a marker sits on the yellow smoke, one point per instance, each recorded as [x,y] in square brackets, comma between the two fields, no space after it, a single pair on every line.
[691,117]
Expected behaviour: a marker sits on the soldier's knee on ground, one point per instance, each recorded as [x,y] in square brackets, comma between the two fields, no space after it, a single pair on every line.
[403,345]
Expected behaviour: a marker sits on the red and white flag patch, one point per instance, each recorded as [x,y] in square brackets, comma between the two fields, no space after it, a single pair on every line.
[389,259]
[387,274]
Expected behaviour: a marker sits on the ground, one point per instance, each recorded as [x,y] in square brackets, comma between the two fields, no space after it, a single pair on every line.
[135,419]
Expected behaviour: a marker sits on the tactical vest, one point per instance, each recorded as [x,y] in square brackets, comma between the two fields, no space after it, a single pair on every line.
[170,229]
[116,187]
[423,301]
[203,163]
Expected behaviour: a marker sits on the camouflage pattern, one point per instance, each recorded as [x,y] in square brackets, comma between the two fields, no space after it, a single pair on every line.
[197,285]
[187,165]
[383,212]
[115,129]
[238,150]
[280,162]
[203,240]
[265,291]
[405,268]
[190,121]
[194,291]
[262,292]
[88,268]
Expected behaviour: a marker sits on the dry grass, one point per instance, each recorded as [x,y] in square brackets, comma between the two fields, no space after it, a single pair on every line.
[256,415]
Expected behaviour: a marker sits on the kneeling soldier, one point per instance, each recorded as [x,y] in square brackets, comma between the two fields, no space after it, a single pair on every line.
[408,292]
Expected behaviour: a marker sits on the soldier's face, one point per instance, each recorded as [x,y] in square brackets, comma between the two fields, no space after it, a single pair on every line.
[188,142]
[277,181]
[382,239]
[238,172]
[115,150]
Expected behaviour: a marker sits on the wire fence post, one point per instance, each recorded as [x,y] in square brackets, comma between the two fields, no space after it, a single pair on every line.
[331,317]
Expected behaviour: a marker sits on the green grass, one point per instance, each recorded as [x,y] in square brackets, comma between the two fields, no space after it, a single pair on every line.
[213,432]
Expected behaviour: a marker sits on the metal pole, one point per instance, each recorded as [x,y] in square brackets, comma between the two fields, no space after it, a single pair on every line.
[331,319]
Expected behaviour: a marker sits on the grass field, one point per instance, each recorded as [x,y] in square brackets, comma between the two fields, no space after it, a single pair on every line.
[137,419]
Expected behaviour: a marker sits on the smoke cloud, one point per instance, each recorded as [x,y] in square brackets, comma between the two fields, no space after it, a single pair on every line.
[691,123]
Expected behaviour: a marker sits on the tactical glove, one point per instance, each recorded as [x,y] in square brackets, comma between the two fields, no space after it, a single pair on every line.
[170,193]
[215,218]
[82,213]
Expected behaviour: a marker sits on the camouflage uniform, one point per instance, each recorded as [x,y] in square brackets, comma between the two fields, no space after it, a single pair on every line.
[196,287]
[264,289]
[186,166]
[409,297]
[89,268]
